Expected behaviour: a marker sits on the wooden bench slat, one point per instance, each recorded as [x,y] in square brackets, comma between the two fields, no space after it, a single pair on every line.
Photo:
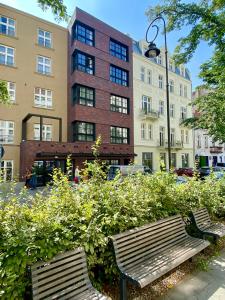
[150,233]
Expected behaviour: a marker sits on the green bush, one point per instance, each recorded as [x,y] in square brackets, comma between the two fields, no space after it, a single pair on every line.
[42,226]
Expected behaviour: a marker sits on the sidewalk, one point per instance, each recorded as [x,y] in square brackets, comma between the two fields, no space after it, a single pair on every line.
[203,285]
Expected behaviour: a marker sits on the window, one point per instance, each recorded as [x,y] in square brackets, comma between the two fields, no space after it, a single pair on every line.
[44,38]
[206,142]
[119,135]
[149,77]
[186,137]
[182,136]
[181,90]
[150,131]
[161,136]
[147,159]
[172,110]
[159,59]
[42,97]
[84,132]
[160,81]
[170,65]
[46,132]
[119,76]
[172,137]
[146,104]
[6,55]
[44,65]
[118,50]
[11,87]
[171,86]
[143,131]
[83,62]
[185,91]
[7,26]
[173,160]
[143,74]
[185,160]
[83,33]
[162,157]
[119,104]
[6,132]
[199,141]
[83,95]
[183,113]
[7,170]
[161,107]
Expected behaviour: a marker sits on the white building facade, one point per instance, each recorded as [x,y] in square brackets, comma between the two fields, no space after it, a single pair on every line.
[150,111]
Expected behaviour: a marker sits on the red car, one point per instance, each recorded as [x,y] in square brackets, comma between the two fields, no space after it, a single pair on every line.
[185,171]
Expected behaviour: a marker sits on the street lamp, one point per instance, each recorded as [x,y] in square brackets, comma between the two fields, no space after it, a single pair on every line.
[152,52]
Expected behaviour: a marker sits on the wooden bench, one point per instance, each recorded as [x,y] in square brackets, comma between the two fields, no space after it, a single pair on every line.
[64,277]
[144,254]
[201,220]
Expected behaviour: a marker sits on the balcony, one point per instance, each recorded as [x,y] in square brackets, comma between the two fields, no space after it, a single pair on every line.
[216,149]
[149,114]
[175,145]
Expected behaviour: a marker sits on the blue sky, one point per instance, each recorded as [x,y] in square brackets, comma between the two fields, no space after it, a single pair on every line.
[128,16]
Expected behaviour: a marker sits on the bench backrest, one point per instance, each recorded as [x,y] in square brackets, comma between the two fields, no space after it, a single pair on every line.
[201,218]
[63,277]
[134,246]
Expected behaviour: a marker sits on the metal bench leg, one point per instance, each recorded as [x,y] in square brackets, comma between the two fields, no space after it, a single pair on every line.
[123,288]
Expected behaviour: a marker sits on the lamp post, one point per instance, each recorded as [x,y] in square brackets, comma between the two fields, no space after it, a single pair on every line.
[152,52]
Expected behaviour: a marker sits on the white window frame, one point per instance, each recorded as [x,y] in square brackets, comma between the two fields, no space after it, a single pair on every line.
[149,76]
[199,141]
[182,136]
[5,167]
[44,65]
[143,131]
[142,74]
[181,89]
[161,107]
[8,26]
[44,37]
[42,97]
[172,110]
[183,112]
[160,77]
[206,141]
[150,132]
[11,87]
[6,54]
[160,60]
[187,137]
[172,136]
[8,129]
[45,131]
[146,104]
[171,86]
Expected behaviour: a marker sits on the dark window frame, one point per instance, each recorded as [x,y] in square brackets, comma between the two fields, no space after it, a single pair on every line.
[77,98]
[119,79]
[81,67]
[114,139]
[83,38]
[76,133]
[118,50]
[116,108]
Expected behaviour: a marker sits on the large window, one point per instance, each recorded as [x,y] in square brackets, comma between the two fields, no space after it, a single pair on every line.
[6,170]
[142,74]
[118,50]
[171,86]
[44,65]
[161,107]
[146,104]
[183,113]
[149,78]
[46,132]
[119,75]
[173,160]
[83,62]
[7,26]
[147,159]
[172,137]
[119,135]
[185,160]
[83,95]
[119,104]
[161,136]
[44,38]
[42,97]
[6,55]
[83,33]
[143,131]
[172,110]
[162,157]
[11,87]
[83,131]
[160,81]
[6,132]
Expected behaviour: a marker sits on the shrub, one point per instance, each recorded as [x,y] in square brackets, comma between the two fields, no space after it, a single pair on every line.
[43,225]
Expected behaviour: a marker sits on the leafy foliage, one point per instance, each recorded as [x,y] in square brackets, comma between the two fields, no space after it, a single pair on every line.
[57,7]
[4,96]
[206,20]
[42,226]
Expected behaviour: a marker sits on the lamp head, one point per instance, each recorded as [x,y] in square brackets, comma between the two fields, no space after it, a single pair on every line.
[152,51]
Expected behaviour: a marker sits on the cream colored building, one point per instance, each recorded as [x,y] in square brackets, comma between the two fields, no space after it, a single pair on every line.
[150,111]
[33,62]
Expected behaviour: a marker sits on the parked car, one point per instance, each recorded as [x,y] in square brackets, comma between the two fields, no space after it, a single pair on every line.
[126,170]
[221,165]
[185,171]
[206,171]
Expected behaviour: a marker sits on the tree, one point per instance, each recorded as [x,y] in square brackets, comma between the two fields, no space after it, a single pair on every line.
[205,20]
[60,12]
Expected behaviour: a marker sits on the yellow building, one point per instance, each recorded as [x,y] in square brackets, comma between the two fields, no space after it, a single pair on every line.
[33,62]
[150,111]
